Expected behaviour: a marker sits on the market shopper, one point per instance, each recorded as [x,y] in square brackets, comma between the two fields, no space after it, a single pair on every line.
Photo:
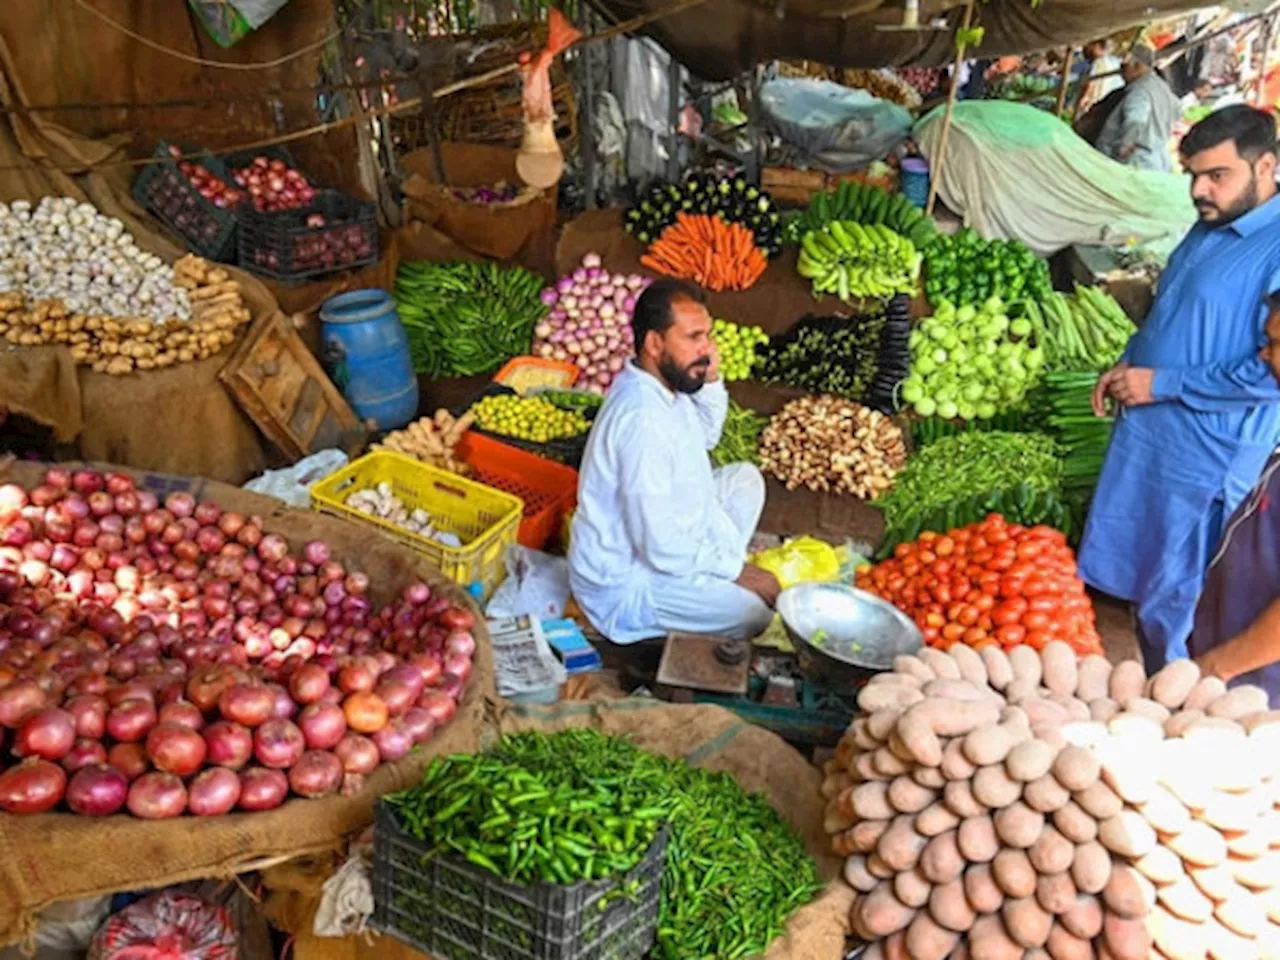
[1237,626]
[659,539]
[1138,130]
[1103,76]
[1199,414]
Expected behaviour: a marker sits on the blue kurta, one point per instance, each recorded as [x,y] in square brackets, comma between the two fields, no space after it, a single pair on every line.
[1178,467]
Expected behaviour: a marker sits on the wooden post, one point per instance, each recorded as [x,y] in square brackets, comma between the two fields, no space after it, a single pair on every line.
[939,152]
[586,111]
[1066,81]
[1268,28]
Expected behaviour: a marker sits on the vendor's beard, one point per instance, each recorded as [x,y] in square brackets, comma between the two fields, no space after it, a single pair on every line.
[1246,202]
[690,379]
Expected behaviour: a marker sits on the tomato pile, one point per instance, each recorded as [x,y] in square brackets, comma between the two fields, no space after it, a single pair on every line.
[990,582]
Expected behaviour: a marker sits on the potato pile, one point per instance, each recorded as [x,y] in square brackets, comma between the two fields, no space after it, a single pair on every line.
[1028,806]
[830,444]
[432,440]
[120,345]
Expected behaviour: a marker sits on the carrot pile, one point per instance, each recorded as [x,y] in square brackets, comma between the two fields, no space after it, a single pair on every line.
[715,254]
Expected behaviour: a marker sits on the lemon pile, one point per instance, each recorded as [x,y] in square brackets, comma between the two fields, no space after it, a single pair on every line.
[528,418]
[737,345]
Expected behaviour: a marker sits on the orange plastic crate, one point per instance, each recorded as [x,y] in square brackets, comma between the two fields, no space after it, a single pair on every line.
[548,489]
[556,374]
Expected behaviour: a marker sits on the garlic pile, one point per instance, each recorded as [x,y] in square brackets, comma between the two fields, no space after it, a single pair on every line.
[68,251]
[380,502]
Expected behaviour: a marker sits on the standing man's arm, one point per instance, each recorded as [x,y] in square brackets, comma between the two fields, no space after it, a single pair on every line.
[1257,646]
[1136,115]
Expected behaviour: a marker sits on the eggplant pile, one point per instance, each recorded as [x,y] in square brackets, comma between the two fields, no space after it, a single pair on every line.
[730,198]
[862,358]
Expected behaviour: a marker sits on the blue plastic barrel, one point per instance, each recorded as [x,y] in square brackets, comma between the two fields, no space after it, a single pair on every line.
[915,180]
[367,355]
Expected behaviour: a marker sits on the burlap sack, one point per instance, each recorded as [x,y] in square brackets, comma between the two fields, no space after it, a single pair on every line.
[58,856]
[705,735]
[494,230]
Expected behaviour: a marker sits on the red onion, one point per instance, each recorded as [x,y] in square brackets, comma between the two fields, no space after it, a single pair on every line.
[461,643]
[322,726]
[419,724]
[58,477]
[32,786]
[82,754]
[89,713]
[207,512]
[97,790]
[182,713]
[394,741]
[316,552]
[228,744]
[278,743]
[157,796]
[248,704]
[273,548]
[119,483]
[439,705]
[458,665]
[132,690]
[317,774]
[176,749]
[398,696]
[130,759]
[20,700]
[262,789]
[85,482]
[357,677]
[131,720]
[213,792]
[356,584]
[180,504]
[230,523]
[48,734]
[358,754]
[285,706]
[417,593]
[451,684]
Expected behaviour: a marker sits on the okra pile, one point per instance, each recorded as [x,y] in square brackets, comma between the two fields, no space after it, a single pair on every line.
[580,805]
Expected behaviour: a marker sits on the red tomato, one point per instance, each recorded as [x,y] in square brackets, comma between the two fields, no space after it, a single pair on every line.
[974,635]
[927,557]
[941,568]
[1037,639]
[927,537]
[903,550]
[952,631]
[1011,634]
[944,546]
[1011,586]
[1044,604]
[1035,621]
[984,602]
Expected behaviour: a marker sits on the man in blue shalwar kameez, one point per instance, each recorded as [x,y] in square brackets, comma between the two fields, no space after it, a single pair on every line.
[1199,415]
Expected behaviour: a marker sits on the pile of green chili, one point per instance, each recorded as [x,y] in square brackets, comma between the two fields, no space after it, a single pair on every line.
[740,438]
[579,805]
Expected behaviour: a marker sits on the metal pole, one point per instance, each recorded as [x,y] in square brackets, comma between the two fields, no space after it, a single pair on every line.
[673,119]
[586,112]
[939,152]
[1066,80]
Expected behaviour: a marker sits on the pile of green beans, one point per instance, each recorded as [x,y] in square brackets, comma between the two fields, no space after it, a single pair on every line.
[734,870]
[465,318]
[958,479]
[740,437]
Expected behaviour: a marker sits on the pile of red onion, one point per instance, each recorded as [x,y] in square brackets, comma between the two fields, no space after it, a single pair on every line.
[208,184]
[588,322]
[170,658]
[273,185]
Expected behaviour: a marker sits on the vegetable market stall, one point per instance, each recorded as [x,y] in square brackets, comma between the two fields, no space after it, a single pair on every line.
[46,858]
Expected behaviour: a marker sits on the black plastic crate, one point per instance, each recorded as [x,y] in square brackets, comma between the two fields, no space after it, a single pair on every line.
[568,451]
[450,909]
[245,157]
[165,191]
[336,232]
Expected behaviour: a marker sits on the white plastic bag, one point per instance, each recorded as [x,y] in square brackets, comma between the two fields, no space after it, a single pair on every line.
[291,484]
[537,585]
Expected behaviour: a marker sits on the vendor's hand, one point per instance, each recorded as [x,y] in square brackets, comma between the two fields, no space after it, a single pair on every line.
[1133,386]
[1124,153]
[1103,388]
[760,582]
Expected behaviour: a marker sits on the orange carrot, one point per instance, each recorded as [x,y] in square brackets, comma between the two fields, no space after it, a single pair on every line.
[718,254]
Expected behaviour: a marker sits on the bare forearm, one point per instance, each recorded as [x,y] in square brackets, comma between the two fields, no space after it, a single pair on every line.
[1258,645]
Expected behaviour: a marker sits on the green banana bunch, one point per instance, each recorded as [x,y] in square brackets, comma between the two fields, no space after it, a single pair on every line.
[865,204]
[1084,331]
[851,260]
[466,318]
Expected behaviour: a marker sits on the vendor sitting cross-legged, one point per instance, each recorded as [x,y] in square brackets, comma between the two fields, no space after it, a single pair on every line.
[659,540]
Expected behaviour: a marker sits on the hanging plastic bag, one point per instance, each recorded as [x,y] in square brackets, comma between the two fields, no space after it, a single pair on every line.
[802,560]
[540,162]
[167,926]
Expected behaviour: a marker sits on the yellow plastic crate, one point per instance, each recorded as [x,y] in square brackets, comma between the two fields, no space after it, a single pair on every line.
[485,520]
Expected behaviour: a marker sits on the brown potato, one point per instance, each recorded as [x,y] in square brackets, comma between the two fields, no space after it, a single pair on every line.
[1127,681]
[929,777]
[1160,866]
[935,819]
[1012,871]
[1184,899]
[1018,825]
[1127,834]
[1029,761]
[1124,893]
[972,667]
[955,766]
[941,861]
[865,834]
[1180,722]
[1026,922]
[1205,691]
[881,913]
[999,671]
[1063,946]
[988,745]
[1199,844]
[1058,662]
[870,801]
[1164,811]
[1103,709]
[1239,702]
[1026,665]
[1045,794]
[1091,867]
[912,888]
[948,906]
[1074,824]
[980,889]
[1076,768]
[926,940]
[913,667]
[977,839]
[988,939]
[888,763]
[943,666]
[1091,677]
[857,875]
[1125,939]
[1173,683]
[994,788]
[1051,852]
[1176,939]
[1056,892]
[959,798]
[1099,801]
[1083,918]
[900,846]
[907,796]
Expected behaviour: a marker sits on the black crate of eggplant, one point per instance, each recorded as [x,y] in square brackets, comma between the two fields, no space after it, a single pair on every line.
[448,907]
[336,232]
[192,192]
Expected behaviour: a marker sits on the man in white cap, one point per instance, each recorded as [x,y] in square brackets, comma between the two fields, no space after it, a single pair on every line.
[1137,132]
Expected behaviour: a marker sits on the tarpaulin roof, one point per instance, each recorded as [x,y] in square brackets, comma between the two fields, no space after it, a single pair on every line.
[718,39]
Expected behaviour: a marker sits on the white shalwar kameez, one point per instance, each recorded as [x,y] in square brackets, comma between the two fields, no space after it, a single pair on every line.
[659,536]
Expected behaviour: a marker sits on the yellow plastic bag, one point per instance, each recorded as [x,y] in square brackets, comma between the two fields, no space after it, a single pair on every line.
[802,560]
